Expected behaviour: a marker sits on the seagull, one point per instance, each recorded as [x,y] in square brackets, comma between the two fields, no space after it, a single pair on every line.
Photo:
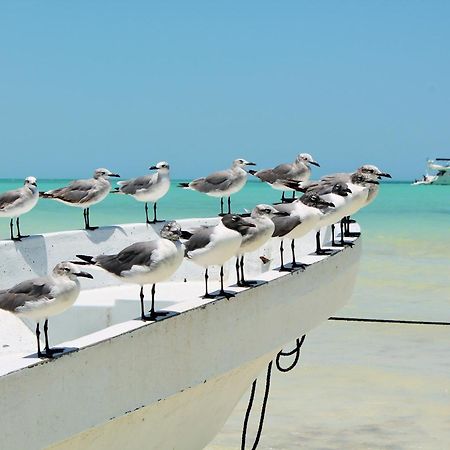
[84,193]
[41,298]
[304,216]
[215,245]
[142,263]
[255,237]
[222,184]
[299,170]
[16,202]
[148,188]
[361,184]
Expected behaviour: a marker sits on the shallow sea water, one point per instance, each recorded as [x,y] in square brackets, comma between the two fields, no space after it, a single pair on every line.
[358,386]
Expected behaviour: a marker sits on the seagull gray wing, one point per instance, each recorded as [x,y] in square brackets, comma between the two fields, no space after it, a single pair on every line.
[284,225]
[215,181]
[79,191]
[137,254]
[27,291]
[8,199]
[267,175]
[136,184]
[337,178]
[200,239]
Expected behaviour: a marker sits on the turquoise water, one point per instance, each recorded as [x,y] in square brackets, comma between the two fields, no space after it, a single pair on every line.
[360,386]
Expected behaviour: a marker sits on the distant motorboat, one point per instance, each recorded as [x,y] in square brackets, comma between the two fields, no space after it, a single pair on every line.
[442,177]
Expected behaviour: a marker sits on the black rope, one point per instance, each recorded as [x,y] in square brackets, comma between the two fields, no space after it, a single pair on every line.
[296,352]
[408,322]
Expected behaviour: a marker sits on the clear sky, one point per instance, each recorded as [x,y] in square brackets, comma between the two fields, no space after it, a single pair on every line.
[124,84]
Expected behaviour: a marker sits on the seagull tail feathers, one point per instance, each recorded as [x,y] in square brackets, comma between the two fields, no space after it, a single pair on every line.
[183,185]
[85,260]
[185,234]
[252,172]
[45,194]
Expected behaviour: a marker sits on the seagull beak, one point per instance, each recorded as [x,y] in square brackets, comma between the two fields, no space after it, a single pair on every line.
[84,275]
[250,164]
[152,168]
[348,190]
[116,175]
[386,175]
[330,204]
[315,163]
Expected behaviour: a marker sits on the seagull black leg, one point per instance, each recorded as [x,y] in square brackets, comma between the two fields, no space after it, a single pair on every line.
[146,213]
[154,215]
[282,267]
[49,352]
[222,290]
[295,264]
[153,314]
[207,294]
[38,333]
[244,282]
[221,206]
[87,221]
[229,205]
[333,243]
[343,243]
[20,236]
[319,249]
[141,296]
[238,277]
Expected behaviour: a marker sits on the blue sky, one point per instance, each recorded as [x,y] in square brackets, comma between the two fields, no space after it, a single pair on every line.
[124,84]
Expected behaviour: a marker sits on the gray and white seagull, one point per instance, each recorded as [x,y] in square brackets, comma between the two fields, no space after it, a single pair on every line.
[213,246]
[299,170]
[43,297]
[222,184]
[84,193]
[142,263]
[148,188]
[16,202]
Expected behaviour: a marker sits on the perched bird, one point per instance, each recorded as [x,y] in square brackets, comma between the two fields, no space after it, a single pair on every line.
[41,298]
[215,245]
[299,170]
[304,216]
[361,186]
[222,184]
[255,237]
[144,263]
[84,193]
[148,188]
[16,202]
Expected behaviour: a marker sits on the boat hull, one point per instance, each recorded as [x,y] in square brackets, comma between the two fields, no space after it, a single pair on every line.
[171,383]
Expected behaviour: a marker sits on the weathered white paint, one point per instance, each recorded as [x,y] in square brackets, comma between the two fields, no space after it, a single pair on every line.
[133,383]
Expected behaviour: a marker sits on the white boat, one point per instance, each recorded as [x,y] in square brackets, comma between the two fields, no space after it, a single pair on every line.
[170,384]
[442,175]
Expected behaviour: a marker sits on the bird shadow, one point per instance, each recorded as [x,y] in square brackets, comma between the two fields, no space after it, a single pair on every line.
[66,350]
[102,234]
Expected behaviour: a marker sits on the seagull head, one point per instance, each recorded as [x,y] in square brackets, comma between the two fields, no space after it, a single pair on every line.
[104,173]
[240,162]
[237,223]
[30,181]
[162,166]
[315,200]
[341,189]
[363,179]
[171,230]
[264,211]
[70,270]
[307,159]
[369,169]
